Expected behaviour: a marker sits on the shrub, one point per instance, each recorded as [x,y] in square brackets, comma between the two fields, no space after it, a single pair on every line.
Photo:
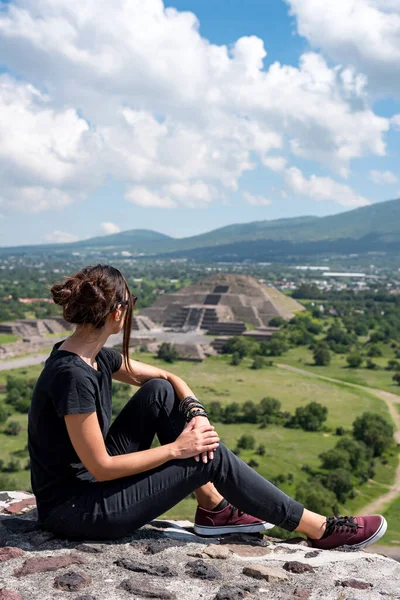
[374,431]
[3,413]
[371,365]
[317,498]
[354,360]
[258,362]
[253,463]
[396,377]
[167,352]
[261,450]
[246,442]
[12,466]
[236,359]
[322,356]
[13,428]
[339,482]
[309,417]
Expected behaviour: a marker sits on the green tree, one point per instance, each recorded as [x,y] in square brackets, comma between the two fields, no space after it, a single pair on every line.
[215,411]
[13,428]
[3,413]
[310,417]
[236,359]
[268,409]
[354,360]
[335,458]
[249,411]
[231,413]
[276,322]
[261,450]
[374,351]
[246,442]
[258,362]
[339,482]
[396,377]
[322,356]
[374,431]
[167,352]
[317,498]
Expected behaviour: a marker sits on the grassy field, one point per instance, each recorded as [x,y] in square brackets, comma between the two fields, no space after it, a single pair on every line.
[302,358]
[6,338]
[286,449]
[392,515]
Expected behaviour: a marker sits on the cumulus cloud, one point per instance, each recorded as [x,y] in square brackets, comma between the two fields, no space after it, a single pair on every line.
[132,91]
[109,227]
[322,189]
[361,33]
[142,196]
[395,122]
[256,200]
[275,163]
[382,177]
[60,237]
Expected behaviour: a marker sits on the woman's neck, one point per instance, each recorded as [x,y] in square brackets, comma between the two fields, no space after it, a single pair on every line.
[87,344]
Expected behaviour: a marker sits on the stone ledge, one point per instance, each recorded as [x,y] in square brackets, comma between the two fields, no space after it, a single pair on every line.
[165,559]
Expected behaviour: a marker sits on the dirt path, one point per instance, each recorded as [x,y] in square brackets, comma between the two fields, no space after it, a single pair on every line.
[391,401]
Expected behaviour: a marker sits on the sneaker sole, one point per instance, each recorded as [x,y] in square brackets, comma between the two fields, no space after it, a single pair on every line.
[374,538]
[211,530]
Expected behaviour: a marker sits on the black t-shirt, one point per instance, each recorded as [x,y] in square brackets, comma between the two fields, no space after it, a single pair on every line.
[67,385]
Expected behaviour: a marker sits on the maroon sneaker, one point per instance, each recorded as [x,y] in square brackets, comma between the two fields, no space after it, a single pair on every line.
[228,520]
[355,532]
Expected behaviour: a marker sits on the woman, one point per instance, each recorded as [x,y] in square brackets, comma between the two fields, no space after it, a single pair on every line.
[100,482]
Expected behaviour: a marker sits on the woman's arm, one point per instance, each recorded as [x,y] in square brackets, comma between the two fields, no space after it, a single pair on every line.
[87,440]
[144,372]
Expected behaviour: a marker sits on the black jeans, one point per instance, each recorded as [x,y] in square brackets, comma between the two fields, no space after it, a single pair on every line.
[112,509]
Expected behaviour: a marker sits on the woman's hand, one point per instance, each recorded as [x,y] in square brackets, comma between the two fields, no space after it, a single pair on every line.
[199,422]
[195,440]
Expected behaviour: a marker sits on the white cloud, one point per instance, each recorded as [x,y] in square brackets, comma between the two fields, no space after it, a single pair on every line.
[191,194]
[256,200]
[109,227]
[33,199]
[175,126]
[144,197]
[361,33]
[322,189]
[382,177]
[60,237]
[395,122]
[275,163]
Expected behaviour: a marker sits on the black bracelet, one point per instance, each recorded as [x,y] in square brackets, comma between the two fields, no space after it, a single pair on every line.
[196,413]
[189,410]
[194,405]
[185,401]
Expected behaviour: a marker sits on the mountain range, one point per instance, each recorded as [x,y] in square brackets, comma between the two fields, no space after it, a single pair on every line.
[373,228]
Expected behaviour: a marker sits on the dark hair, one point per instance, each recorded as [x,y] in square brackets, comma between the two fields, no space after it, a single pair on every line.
[91,294]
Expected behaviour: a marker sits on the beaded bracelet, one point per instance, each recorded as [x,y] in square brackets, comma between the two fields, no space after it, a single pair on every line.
[185,401]
[196,413]
[194,405]
[189,410]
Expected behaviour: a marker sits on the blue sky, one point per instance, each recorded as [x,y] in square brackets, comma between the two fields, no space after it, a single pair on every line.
[146,116]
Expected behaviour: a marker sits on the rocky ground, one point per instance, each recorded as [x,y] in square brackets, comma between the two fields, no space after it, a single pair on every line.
[166,560]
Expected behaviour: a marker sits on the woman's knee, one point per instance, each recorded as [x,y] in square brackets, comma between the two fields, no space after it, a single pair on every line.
[158,384]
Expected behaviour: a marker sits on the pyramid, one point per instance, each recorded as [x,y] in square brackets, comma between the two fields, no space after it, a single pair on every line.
[222,304]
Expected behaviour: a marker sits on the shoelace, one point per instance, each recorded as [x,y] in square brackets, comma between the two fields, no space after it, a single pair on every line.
[233,509]
[341,525]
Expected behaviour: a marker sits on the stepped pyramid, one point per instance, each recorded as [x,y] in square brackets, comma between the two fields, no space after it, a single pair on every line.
[223,304]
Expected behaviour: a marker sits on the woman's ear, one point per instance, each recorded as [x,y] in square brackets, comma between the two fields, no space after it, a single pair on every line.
[117,314]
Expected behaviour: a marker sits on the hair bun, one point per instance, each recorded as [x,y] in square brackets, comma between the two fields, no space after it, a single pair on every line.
[88,293]
[61,294]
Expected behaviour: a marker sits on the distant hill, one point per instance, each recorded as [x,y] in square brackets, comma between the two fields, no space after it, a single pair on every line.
[370,228]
